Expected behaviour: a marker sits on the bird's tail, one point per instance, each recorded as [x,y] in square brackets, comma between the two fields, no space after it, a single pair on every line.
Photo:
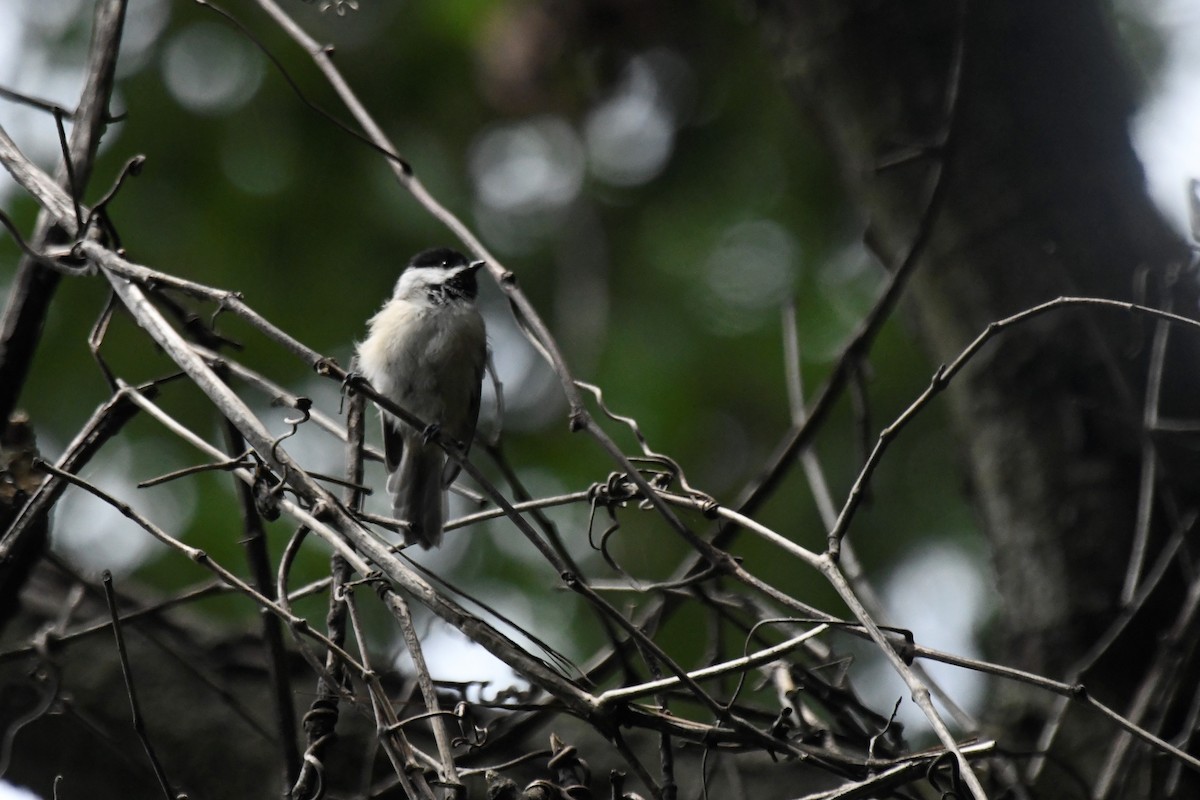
[416,491]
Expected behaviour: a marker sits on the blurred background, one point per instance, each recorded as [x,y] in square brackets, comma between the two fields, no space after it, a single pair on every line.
[660,199]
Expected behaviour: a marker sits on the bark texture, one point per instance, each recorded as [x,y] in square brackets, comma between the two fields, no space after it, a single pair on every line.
[1044,197]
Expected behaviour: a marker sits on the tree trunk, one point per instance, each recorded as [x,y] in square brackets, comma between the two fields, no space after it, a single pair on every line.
[1025,107]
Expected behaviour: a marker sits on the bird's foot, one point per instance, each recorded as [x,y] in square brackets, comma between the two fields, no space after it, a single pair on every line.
[348,382]
[430,433]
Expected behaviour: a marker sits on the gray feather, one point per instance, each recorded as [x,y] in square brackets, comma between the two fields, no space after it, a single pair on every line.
[416,491]
[471,421]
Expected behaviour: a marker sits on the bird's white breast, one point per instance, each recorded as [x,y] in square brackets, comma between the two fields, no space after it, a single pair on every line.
[427,358]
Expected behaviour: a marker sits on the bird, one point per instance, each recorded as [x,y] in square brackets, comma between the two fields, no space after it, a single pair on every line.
[426,350]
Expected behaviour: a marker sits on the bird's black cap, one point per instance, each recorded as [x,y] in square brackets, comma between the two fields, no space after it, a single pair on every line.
[438,257]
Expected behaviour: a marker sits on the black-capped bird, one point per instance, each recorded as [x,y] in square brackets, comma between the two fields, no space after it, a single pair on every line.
[426,350]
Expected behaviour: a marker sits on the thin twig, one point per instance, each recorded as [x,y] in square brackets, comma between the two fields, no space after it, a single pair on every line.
[259,560]
[1076,691]
[278,395]
[888,780]
[734,666]
[25,99]
[25,540]
[848,558]
[801,436]
[819,487]
[944,374]
[447,770]
[33,287]
[1163,672]
[139,724]
[1149,475]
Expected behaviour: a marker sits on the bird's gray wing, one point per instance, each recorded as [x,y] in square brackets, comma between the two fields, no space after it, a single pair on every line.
[417,494]
[470,421]
[393,444]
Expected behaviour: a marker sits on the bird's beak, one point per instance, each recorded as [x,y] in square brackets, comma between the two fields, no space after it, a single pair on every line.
[475,265]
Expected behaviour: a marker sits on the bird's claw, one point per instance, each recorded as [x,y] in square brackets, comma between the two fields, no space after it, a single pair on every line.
[347,385]
[430,433]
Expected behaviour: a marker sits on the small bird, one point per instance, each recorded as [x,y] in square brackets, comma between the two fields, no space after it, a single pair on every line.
[426,350]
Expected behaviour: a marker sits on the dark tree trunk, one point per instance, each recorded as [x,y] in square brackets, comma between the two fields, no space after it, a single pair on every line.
[1043,197]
